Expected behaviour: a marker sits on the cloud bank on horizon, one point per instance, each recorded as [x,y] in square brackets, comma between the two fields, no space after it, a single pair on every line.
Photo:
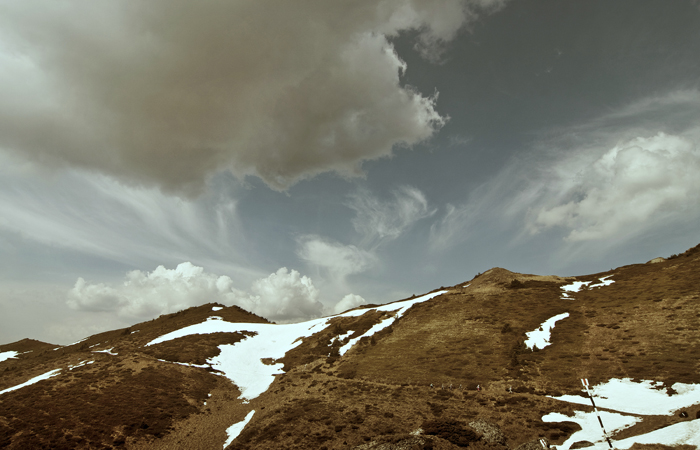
[168,93]
[282,296]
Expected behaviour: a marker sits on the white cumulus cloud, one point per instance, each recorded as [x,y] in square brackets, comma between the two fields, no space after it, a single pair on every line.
[282,296]
[350,301]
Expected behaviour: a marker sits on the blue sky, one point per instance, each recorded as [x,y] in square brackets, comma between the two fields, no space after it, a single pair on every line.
[299,158]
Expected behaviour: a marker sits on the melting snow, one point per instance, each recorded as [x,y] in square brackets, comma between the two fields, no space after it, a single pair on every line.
[234,430]
[36,379]
[217,308]
[687,433]
[78,342]
[241,362]
[199,366]
[590,428]
[540,337]
[603,282]
[80,364]
[577,285]
[7,355]
[108,351]
[399,307]
[340,337]
[639,398]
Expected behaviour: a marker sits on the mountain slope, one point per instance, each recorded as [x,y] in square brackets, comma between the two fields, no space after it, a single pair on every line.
[363,379]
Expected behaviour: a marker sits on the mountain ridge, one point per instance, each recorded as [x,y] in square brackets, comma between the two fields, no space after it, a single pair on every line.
[362,378]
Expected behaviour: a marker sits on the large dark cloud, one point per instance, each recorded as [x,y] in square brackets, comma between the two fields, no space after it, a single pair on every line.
[168,92]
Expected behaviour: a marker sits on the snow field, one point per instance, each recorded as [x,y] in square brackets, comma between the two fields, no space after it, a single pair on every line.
[540,337]
[242,362]
[639,398]
[626,396]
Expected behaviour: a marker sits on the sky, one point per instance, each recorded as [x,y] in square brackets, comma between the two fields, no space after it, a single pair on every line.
[301,158]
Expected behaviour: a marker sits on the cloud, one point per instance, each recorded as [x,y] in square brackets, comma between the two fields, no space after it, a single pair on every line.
[385,220]
[633,183]
[350,301]
[167,93]
[282,296]
[285,296]
[608,179]
[338,259]
[92,214]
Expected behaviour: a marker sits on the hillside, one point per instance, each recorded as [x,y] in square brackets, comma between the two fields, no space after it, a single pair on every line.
[470,365]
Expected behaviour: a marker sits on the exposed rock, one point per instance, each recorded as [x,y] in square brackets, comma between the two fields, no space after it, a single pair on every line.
[411,443]
[581,444]
[656,260]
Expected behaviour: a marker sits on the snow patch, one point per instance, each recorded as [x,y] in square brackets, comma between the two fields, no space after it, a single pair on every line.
[603,282]
[590,428]
[341,337]
[399,307]
[624,395]
[217,308]
[541,336]
[643,398]
[36,379]
[108,351]
[4,356]
[681,433]
[199,366]
[78,342]
[576,286]
[234,430]
[80,364]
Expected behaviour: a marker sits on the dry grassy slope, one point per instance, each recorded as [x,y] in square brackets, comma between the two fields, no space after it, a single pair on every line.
[642,326]
[119,400]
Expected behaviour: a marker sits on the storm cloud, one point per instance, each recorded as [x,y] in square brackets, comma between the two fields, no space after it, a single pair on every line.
[168,93]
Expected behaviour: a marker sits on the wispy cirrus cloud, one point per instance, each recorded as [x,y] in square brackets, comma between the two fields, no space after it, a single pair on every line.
[339,260]
[378,220]
[610,179]
[95,215]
